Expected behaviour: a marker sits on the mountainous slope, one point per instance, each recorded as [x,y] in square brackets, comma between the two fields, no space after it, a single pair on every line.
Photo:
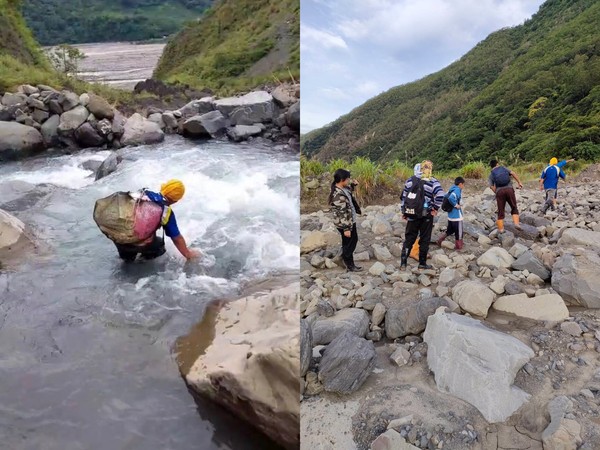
[20,55]
[238,44]
[524,93]
[78,21]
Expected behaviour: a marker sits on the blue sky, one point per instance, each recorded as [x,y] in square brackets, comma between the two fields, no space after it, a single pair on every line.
[352,50]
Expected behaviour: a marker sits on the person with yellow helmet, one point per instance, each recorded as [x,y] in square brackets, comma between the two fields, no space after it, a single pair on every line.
[170,192]
[549,179]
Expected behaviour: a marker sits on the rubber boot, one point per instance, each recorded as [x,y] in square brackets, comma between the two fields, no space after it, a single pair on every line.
[459,244]
[403,259]
[500,225]
[516,221]
[545,208]
[424,266]
[441,239]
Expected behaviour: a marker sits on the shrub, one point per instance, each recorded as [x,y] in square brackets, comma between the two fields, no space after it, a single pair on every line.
[474,170]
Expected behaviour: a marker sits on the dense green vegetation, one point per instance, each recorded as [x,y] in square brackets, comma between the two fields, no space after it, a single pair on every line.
[523,94]
[78,21]
[237,45]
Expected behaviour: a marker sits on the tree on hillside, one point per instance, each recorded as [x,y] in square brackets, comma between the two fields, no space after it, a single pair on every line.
[65,58]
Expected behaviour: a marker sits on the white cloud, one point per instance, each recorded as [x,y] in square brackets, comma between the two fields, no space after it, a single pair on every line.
[315,39]
[335,93]
[367,88]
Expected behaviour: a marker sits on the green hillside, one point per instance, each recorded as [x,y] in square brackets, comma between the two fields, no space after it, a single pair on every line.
[78,21]
[523,94]
[238,44]
[20,56]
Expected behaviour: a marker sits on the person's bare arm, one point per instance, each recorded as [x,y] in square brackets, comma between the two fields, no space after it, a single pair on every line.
[515,176]
[181,245]
[541,184]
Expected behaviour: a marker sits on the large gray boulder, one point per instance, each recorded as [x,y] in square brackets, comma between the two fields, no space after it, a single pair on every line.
[353,320]
[140,131]
[528,261]
[549,307]
[9,99]
[108,166]
[195,108]
[411,319]
[473,297]
[577,279]
[100,108]
[11,230]
[68,100]
[496,257]
[205,125]
[72,119]
[306,346]
[347,363]
[579,236]
[17,140]
[50,131]
[285,95]
[525,231]
[243,132]
[87,136]
[292,117]
[476,364]
[255,107]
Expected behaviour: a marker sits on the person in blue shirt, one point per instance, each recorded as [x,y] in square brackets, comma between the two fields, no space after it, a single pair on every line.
[455,217]
[170,192]
[549,179]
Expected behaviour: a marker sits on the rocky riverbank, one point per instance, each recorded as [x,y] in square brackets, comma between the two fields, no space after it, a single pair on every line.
[495,348]
[36,118]
[244,356]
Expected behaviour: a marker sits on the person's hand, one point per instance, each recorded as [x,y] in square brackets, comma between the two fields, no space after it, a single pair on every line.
[434,212]
[457,206]
[404,218]
[193,254]
[541,188]
[347,233]
[520,186]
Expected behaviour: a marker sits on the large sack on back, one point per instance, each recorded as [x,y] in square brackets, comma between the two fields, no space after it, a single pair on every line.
[127,220]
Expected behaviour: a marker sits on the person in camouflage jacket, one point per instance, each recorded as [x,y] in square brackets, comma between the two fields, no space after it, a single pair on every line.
[345,209]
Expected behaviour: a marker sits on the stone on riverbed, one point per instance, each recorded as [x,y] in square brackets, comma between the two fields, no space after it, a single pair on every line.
[476,364]
[254,107]
[140,131]
[17,140]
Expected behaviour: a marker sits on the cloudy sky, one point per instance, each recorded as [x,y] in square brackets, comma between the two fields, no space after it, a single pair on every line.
[352,50]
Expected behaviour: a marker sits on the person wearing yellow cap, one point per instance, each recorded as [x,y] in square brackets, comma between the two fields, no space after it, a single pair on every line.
[170,192]
[549,179]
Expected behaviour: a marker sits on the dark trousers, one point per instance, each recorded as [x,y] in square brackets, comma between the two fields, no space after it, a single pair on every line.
[418,228]
[154,249]
[455,227]
[349,245]
[504,196]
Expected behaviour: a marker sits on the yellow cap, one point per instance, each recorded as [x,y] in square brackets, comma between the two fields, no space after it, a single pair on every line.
[172,190]
[553,161]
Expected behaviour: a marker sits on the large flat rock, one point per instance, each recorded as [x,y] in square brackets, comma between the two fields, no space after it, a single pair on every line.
[544,307]
[577,278]
[352,320]
[251,362]
[580,236]
[476,364]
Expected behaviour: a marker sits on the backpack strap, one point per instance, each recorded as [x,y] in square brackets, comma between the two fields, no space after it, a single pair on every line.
[166,215]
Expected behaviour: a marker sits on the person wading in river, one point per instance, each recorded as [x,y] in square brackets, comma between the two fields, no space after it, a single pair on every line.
[170,192]
[345,208]
[421,199]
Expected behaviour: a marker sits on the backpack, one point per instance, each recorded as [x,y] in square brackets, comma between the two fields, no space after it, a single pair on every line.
[446,205]
[501,176]
[414,202]
[127,217]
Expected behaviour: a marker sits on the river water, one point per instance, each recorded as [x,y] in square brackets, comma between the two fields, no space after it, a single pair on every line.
[119,64]
[86,341]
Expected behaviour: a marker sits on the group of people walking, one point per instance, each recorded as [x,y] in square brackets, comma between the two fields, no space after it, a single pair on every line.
[422,200]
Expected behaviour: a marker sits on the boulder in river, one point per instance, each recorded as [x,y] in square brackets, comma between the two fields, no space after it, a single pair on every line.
[87,136]
[140,131]
[72,119]
[293,117]
[100,108]
[17,140]
[243,132]
[476,364]
[11,230]
[108,166]
[208,124]
[254,107]
[250,360]
[50,131]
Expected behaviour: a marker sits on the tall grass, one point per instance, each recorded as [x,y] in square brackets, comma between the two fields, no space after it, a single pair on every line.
[367,174]
[476,170]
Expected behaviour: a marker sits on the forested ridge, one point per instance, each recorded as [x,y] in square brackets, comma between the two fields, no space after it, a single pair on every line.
[522,94]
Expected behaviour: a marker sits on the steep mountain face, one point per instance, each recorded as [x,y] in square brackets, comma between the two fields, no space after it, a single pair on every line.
[524,93]
[78,21]
[20,56]
[237,44]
